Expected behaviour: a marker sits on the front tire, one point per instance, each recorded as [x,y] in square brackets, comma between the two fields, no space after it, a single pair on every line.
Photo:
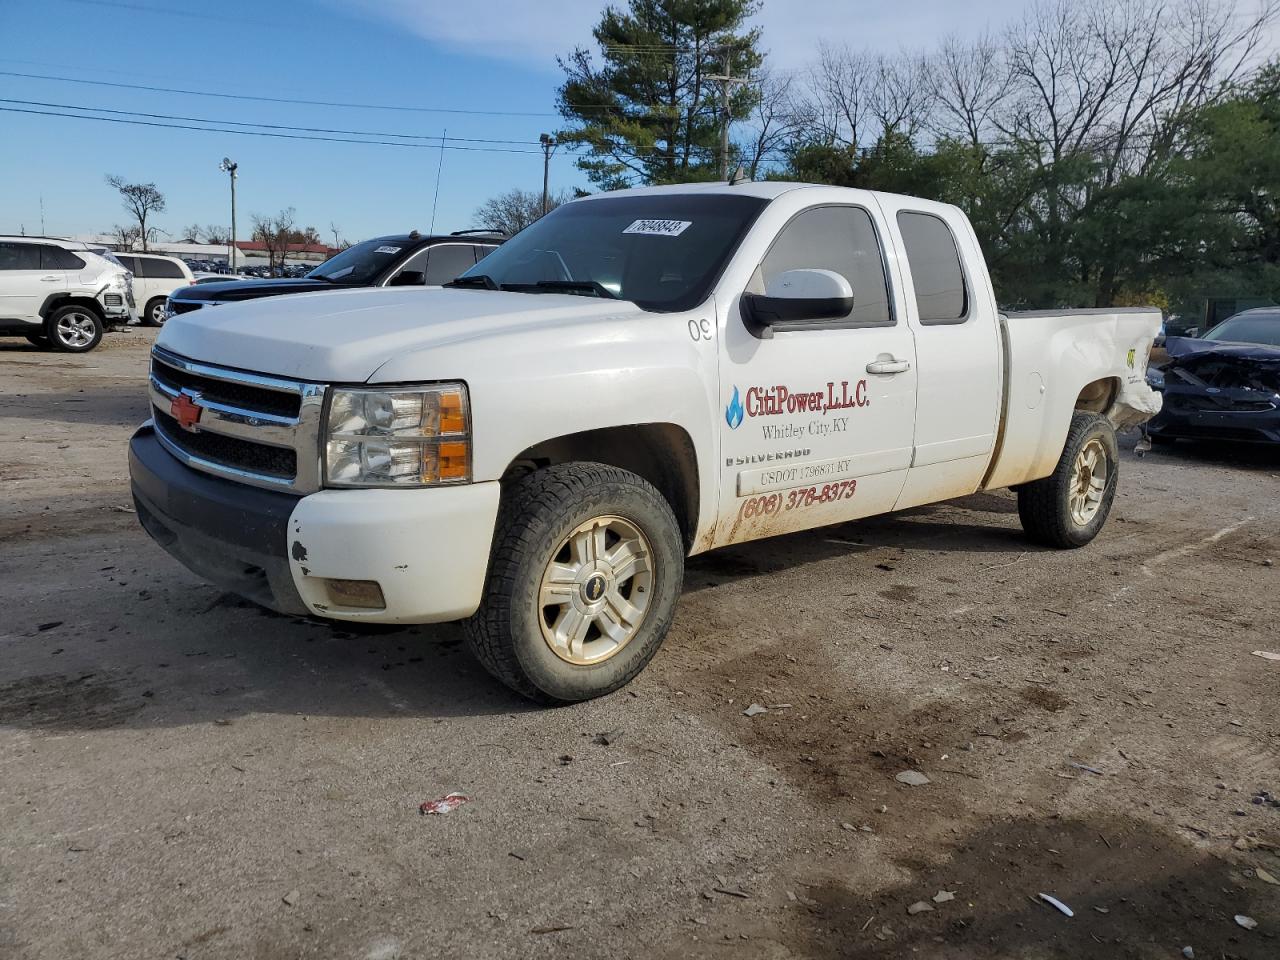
[1068,508]
[587,566]
[154,315]
[74,329]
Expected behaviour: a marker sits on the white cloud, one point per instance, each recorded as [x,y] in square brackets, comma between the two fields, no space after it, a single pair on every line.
[530,32]
[535,32]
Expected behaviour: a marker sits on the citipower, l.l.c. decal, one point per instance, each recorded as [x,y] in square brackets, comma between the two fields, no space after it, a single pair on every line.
[780,400]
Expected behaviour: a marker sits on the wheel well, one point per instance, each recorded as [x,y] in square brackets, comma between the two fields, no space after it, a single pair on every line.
[661,453]
[1097,397]
[59,300]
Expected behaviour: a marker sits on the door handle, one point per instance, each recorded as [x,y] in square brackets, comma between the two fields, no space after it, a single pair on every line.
[50,279]
[888,366]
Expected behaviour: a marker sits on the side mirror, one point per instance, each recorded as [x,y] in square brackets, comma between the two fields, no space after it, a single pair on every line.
[408,278]
[796,296]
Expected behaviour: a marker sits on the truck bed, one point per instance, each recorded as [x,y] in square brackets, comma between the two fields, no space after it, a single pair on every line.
[1059,361]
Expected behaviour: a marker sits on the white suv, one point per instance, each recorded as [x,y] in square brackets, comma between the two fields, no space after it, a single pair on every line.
[60,293]
[154,278]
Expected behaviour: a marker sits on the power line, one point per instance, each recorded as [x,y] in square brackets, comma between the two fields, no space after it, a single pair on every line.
[259,99]
[263,133]
[268,126]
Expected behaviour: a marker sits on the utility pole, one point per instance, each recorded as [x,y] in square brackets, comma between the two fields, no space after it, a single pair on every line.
[227,167]
[727,80]
[548,148]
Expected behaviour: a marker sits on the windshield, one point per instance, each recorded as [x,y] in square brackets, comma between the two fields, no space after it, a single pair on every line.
[362,263]
[1261,328]
[661,251]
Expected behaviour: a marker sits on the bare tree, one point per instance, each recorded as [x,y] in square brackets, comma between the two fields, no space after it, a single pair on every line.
[140,200]
[338,242]
[514,210]
[970,82]
[901,94]
[275,234]
[124,237]
[839,97]
[778,118]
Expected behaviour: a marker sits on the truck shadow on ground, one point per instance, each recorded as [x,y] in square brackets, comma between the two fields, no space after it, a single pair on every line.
[1135,892]
[938,528]
[154,646]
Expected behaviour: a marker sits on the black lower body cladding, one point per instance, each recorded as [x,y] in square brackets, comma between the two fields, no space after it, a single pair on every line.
[232,535]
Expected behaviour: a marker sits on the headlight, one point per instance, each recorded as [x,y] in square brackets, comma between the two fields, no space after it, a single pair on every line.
[398,438]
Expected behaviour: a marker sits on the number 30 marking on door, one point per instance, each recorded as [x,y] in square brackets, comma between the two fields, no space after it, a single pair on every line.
[699,330]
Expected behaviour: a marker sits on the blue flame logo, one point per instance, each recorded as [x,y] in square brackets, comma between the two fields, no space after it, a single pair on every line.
[733,412]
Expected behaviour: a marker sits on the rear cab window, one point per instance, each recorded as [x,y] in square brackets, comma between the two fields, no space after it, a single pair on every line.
[941,290]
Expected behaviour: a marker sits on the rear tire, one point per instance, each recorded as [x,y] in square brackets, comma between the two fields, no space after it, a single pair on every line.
[74,329]
[1069,507]
[154,315]
[586,570]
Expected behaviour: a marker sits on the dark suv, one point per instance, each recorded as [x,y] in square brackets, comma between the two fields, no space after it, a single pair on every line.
[403,260]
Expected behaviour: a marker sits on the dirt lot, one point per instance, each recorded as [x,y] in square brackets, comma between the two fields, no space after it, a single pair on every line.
[183,775]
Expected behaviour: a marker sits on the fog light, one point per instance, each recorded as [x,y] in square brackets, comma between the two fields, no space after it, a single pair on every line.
[366,594]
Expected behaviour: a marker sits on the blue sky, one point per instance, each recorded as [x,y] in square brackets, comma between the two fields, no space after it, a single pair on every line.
[495,55]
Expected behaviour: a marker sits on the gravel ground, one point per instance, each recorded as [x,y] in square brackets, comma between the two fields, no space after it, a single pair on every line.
[184,775]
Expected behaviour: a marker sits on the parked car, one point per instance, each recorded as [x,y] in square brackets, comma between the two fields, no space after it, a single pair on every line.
[401,260]
[206,277]
[638,376]
[155,277]
[1224,385]
[60,293]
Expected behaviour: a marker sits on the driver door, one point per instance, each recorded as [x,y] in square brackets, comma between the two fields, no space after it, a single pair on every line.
[818,420]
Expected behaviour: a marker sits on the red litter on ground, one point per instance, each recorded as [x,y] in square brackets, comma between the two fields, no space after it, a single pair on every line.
[444,805]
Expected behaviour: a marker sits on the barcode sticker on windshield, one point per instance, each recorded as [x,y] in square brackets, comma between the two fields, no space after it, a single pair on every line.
[659,228]
[387,250]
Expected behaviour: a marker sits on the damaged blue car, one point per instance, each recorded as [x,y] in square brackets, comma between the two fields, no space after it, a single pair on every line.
[1223,386]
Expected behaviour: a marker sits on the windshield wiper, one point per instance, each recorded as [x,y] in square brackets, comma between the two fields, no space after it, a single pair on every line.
[475,280]
[581,287]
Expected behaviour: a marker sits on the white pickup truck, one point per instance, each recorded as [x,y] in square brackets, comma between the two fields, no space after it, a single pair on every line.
[638,377]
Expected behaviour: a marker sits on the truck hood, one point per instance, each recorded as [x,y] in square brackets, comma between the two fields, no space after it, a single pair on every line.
[344,336]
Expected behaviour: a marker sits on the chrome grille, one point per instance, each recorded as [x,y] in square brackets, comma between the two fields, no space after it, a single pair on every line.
[256,429]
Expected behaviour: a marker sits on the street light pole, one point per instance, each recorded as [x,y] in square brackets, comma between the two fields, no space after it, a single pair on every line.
[548,147]
[226,166]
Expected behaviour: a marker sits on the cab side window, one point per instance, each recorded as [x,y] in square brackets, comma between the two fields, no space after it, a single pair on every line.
[449,260]
[941,293]
[19,256]
[159,268]
[843,240]
[56,258]
[130,264]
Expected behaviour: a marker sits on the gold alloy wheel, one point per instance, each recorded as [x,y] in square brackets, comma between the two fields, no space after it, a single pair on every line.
[596,590]
[1088,482]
